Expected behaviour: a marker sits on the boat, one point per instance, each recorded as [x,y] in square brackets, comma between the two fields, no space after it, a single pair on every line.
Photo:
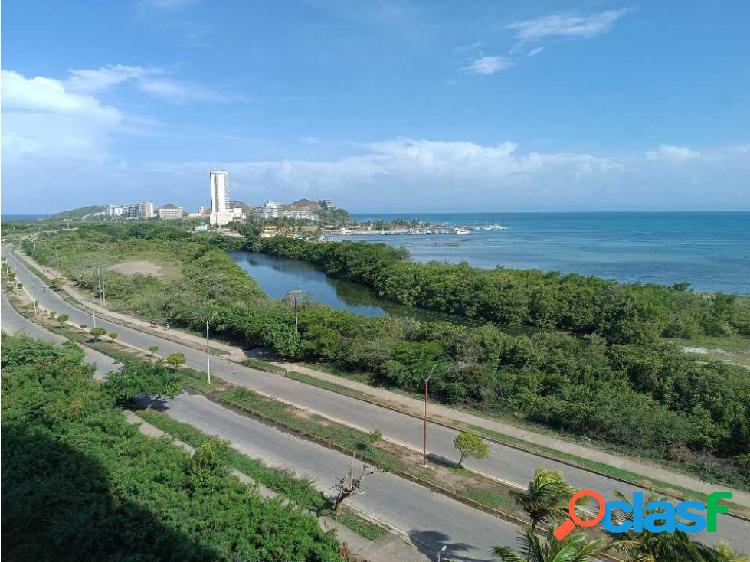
[495,227]
[461,231]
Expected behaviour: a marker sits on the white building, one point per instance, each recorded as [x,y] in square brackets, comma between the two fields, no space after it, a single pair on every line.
[114,211]
[269,210]
[170,212]
[141,210]
[221,213]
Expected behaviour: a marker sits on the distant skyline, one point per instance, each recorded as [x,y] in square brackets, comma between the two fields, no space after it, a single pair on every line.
[382,106]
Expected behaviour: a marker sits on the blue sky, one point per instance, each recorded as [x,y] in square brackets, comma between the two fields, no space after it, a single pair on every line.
[381,106]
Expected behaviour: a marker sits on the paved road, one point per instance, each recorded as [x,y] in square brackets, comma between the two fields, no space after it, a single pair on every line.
[13,322]
[431,520]
[505,463]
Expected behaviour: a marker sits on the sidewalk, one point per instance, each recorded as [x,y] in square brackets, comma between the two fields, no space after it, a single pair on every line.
[438,413]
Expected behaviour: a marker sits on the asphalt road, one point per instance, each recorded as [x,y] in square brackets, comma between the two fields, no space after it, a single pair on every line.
[505,463]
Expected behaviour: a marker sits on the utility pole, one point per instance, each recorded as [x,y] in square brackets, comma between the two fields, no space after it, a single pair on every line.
[102,298]
[208,358]
[424,428]
[93,317]
[295,293]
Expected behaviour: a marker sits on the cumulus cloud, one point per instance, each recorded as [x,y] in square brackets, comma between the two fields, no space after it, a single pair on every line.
[565,25]
[411,173]
[487,65]
[43,117]
[672,153]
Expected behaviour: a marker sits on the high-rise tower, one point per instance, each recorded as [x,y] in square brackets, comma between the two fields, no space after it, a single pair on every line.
[221,214]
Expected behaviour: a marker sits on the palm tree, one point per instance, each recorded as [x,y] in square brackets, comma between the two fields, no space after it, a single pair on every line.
[576,547]
[546,497]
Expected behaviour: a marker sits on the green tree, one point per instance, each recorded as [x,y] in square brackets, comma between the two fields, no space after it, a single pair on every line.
[57,284]
[62,319]
[143,378]
[175,360]
[576,547]
[98,333]
[113,336]
[469,444]
[546,497]
[153,349]
[208,465]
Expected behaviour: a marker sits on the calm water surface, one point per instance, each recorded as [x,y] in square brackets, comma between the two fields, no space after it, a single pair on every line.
[276,276]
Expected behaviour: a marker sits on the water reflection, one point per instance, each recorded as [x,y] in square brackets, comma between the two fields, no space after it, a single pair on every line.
[276,276]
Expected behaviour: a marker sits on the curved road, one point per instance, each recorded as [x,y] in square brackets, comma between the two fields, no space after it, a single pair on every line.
[505,463]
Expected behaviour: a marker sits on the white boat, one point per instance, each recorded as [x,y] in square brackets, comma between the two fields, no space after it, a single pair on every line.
[462,231]
[495,227]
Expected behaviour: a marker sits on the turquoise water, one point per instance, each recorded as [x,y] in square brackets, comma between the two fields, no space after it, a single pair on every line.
[709,250]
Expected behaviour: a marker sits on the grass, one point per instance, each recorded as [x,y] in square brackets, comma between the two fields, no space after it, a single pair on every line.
[332,386]
[363,527]
[261,365]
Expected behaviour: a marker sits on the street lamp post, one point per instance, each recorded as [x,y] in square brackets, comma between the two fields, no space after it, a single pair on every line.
[424,428]
[208,358]
[440,552]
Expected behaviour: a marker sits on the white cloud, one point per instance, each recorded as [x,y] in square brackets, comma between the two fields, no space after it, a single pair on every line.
[98,79]
[565,25]
[43,117]
[153,81]
[405,170]
[182,92]
[672,153]
[534,51]
[488,65]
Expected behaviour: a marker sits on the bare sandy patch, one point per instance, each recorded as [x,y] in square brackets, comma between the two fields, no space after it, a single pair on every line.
[138,267]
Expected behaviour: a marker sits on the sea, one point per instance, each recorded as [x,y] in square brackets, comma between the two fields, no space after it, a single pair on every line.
[709,250]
